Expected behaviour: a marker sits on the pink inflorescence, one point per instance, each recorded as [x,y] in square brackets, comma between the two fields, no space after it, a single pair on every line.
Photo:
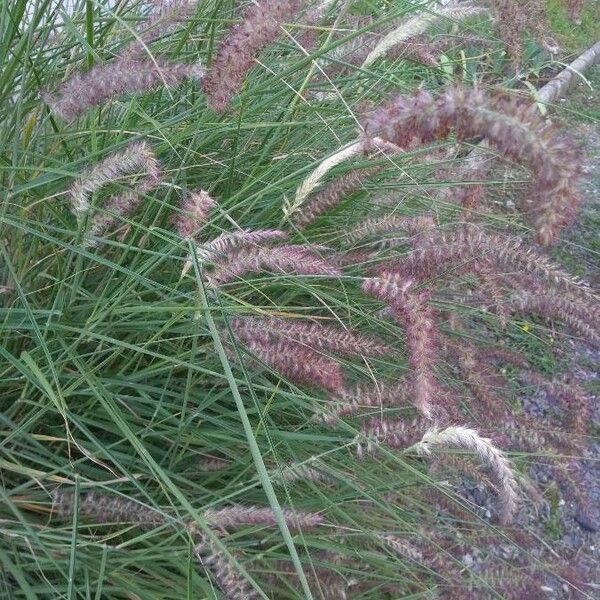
[260,26]
[287,259]
[413,310]
[509,125]
[195,209]
[83,91]
[314,335]
[297,362]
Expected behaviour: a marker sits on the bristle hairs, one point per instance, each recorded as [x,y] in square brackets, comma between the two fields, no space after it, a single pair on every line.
[83,91]
[166,17]
[313,334]
[297,362]
[224,249]
[137,155]
[331,195]
[232,583]
[225,246]
[418,24]
[510,126]
[460,250]
[260,25]
[376,226]
[500,468]
[376,395]
[287,259]
[195,210]
[108,509]
[413,310]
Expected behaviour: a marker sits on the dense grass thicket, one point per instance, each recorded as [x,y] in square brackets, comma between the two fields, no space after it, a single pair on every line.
[275,281]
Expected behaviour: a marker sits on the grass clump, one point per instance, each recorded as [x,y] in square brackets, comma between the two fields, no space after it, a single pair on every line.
[227,344]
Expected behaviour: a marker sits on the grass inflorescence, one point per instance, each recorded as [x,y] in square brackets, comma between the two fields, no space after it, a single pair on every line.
[262,312]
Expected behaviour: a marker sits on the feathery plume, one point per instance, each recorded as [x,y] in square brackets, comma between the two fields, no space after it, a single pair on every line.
[481,380]
[582,317]
[414,312]
[460,251]
[346,153]
[294,361]
[233,585]
[331,195]
[326,583]
[419,24]
[457,436]
[295,472]
[261,25]
[210,464]
[288,259]
[516,17]
[164,20]
[402,548]
[135,156]
[83,91]
[106,508]
[195,209]
[507,124]
[398,434]
[574,8]
[389,224]
[419,49]
[313,334]
[236,516]
[378,395]
[225,246]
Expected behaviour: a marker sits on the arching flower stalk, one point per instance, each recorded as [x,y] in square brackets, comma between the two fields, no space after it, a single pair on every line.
[298,363]
[461,251]
[515,18]
[313,334]
[397,434]
[513,128]
[377,395]
[236,516]
[287,259]
[136,156]
[500,468]
[575,8]
[226,246]
[392,223]
[211,464]
[83,91]
[260,25]
[230,581]
[331,195]
[418,24]
[195,210]
[414,312]
[108,509]
[169,16]
[581,317]
[346,153]
[307,471]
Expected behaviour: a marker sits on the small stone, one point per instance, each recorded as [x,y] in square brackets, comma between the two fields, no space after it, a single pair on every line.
[573,540]
[587,521]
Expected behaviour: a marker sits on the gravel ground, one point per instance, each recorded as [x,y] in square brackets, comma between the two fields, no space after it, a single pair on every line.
[563,528]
